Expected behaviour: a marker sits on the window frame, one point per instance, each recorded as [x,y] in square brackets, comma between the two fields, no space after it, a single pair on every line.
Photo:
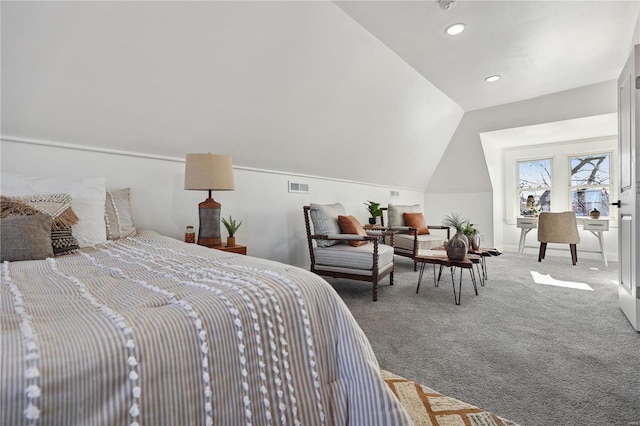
[570,188]
[519,190]
[507,199]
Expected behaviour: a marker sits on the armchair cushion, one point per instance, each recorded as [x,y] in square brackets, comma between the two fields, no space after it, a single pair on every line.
[325,221]
[395,213]
[346,256]
[404,242]
[350,225]
[416,220]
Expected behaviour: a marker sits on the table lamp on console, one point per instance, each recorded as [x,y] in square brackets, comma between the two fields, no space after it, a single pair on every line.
[208,172]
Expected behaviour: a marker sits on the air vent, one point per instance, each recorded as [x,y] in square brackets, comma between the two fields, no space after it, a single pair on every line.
[299,188]
[395,194]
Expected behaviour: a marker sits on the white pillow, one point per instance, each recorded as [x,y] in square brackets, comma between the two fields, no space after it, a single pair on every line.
[88,196]
[117,214]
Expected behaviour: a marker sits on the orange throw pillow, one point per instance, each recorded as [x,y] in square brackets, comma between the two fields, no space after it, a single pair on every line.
[416,220]
[350,225]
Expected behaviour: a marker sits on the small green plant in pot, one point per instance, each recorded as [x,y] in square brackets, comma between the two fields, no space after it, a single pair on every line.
[472,235]
[232,227]
[374,211]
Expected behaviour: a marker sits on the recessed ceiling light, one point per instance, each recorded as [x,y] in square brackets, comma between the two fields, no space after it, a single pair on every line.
[446,4]
[454,29]
[492,78]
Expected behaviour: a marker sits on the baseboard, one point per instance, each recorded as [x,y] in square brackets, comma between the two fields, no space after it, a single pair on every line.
[560,252]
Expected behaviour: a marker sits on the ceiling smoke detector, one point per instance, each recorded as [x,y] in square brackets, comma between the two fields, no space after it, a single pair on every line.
[445,4]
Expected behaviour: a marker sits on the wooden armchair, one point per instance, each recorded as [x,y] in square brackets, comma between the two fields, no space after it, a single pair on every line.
[409,240]
[332,254]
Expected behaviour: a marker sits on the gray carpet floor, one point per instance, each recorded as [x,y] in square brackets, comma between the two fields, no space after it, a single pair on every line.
[532,353]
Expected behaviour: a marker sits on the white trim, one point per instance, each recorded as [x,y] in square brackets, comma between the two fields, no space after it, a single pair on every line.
[63,145]
[88,148]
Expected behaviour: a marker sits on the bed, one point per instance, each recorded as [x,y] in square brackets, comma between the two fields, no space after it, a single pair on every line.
[151,330]
[143,329]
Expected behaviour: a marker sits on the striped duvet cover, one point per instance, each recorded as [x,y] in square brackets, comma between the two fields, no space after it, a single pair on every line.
[152,331]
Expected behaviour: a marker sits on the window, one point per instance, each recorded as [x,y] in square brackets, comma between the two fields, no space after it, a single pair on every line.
[534,186]
[590,183]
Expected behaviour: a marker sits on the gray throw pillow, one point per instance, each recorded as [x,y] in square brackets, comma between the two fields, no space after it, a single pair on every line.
[25,238]
[57,206]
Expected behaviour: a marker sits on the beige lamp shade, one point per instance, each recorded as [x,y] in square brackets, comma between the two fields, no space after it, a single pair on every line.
[208,172]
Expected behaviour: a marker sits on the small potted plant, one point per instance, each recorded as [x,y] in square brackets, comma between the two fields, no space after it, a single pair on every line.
[472,235]
[458,245]
[374,211]
[232,226]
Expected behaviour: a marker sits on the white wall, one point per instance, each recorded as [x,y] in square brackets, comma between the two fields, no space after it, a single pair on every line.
[278,85]
[273,223]
[636,35]
[471,206]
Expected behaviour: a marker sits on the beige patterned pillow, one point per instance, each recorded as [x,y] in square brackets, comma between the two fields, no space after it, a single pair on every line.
[87,193]
[117,215]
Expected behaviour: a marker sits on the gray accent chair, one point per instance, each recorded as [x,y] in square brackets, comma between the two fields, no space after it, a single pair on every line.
[559,228]
[408,245]
[332,255]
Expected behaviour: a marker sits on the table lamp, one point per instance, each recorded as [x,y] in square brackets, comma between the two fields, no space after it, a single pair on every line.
[208,172]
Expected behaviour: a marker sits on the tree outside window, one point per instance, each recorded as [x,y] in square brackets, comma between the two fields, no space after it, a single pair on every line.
[590,183]
[534,186]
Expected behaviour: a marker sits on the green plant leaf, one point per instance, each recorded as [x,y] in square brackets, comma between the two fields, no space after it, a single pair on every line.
[455,220]
[231,225]
[373,208]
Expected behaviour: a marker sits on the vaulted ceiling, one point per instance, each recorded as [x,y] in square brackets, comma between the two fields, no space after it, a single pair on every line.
[368,91]
[537,47]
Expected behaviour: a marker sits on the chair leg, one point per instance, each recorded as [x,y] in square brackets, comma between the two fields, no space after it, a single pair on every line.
[391,278]
[542,252]
[415,265]
[574,253]
[375,291]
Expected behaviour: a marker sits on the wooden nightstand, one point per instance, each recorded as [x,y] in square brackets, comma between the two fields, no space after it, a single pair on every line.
[233,249]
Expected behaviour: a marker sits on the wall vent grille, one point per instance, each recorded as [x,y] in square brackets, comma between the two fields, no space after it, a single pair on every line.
[299,188]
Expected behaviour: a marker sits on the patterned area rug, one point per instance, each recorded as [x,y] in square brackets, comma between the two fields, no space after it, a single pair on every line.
[429,408]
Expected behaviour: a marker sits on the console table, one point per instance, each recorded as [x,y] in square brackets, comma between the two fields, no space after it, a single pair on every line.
[597,227]
[526,224]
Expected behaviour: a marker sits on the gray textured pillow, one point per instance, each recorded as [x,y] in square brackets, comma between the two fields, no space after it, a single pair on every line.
[395,211]
[56,206]
[25,238]
[117,215]
[325,221]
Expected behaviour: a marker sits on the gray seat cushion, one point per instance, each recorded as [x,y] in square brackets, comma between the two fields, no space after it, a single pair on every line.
[346,256]
[425,241]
